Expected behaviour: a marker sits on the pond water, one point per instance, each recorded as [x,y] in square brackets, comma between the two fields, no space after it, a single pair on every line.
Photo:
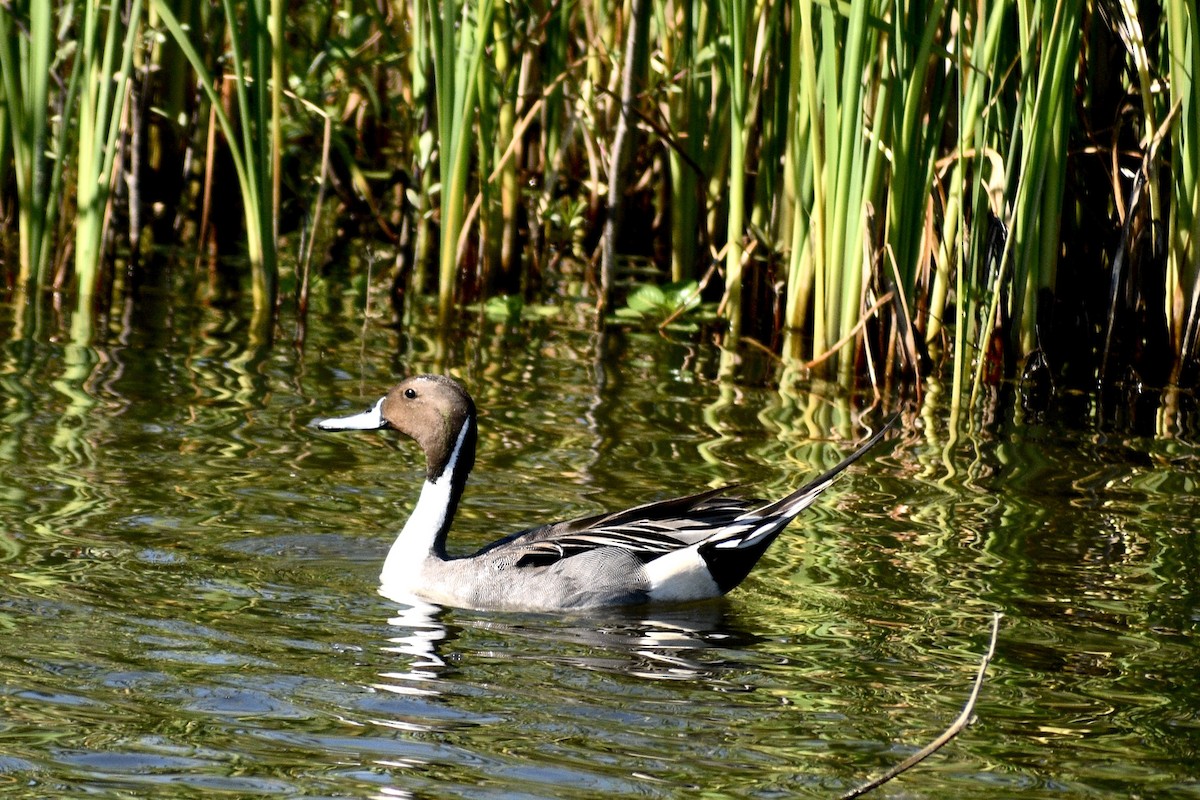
[189,602]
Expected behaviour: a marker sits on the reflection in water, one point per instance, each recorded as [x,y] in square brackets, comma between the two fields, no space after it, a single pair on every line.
[423,631]
[633,637]
[651,643]
[661,643]
[531,669]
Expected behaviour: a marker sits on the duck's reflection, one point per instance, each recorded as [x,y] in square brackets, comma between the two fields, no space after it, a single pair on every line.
[456,673]
[689,642]
[423,630]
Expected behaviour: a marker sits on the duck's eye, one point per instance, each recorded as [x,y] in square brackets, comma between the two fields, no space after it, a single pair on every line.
[410,393]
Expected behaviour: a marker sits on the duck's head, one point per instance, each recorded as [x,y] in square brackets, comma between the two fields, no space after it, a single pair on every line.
[435,411]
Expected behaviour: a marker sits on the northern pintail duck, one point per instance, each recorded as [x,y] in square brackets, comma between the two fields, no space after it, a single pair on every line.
[678,550]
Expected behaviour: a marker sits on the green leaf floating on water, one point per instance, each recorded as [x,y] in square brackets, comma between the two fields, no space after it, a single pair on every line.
[512,308]
[648,299]
[503,308]
[653,303]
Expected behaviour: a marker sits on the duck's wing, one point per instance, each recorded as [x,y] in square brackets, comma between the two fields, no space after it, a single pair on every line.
[646,531]
[735,531]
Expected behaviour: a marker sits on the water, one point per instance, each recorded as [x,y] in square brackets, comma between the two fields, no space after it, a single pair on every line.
[189,608]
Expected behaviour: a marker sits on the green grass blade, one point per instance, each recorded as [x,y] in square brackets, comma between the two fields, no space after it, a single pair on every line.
[260,248]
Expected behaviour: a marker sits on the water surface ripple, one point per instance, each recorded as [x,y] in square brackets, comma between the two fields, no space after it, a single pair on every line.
[189,601]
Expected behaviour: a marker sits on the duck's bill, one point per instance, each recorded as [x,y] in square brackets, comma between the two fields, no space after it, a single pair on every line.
[366,421]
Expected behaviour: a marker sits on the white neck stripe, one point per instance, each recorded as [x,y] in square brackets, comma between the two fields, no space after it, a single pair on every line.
[419,538]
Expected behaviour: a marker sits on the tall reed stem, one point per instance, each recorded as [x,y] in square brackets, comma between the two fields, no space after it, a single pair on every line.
[457,59]
[249,151]
[25,68]
[102,105]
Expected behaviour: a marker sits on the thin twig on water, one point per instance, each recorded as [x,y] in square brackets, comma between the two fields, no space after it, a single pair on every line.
[963,720]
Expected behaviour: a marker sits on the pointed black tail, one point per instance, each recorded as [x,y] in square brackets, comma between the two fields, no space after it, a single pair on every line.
[731,558]
[803,497]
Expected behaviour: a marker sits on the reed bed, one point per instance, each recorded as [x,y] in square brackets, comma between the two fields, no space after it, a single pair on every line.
[949,195]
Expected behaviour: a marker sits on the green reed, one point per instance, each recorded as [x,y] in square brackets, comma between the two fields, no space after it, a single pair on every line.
[1048,41]
[104,68]
[685,31]
[250,142]
[922,103]
[498,222]
[458,47]
[1183,233]
[26,55]
[835,170]
[735,18]
[960,248]
[800,159]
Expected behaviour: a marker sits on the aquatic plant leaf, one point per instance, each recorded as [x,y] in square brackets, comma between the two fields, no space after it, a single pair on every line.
[647,299]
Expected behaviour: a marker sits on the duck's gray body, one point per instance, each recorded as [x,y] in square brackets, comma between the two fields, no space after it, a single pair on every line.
[677,550]
[608,560]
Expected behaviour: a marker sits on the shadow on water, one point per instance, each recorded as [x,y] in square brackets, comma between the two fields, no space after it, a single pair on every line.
[189,582]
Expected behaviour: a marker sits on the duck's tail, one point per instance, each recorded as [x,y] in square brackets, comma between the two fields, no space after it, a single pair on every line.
[731,554]
[802,498]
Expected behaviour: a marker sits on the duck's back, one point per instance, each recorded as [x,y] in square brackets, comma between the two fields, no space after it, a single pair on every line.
[587,562]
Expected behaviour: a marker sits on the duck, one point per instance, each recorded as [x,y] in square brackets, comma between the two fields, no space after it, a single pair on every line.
[679,550]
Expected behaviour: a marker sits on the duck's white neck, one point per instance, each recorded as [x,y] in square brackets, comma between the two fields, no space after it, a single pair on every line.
[423,536]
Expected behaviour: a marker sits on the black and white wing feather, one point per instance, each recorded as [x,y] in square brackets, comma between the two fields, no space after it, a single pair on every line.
[647,531]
